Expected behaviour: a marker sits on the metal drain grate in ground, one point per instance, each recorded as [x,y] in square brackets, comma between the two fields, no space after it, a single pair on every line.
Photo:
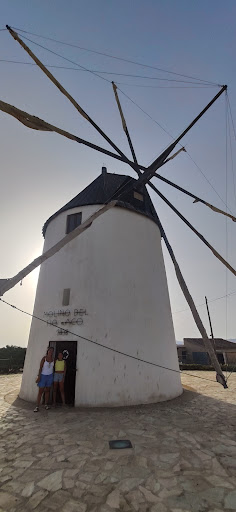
[120,444]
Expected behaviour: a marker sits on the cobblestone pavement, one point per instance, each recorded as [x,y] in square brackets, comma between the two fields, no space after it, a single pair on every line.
[183,456]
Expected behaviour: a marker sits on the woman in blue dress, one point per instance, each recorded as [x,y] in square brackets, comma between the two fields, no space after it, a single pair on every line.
[45,378]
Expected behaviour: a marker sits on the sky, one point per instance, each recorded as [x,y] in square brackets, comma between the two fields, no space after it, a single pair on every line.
[40,171]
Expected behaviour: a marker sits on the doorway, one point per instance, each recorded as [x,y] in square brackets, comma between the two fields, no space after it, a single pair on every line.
[220,357]
[69,351]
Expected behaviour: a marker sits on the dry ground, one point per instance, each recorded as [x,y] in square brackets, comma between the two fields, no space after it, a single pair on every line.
[183,456]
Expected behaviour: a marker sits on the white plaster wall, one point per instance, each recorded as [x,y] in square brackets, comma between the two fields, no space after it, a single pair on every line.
[116,271]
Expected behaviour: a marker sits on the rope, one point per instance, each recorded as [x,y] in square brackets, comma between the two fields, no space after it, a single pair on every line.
[99,76]
[65,58]
[117,58]
[226,220]
[146,113]
[101,345]
[231,116]
[208,181]
[230,147]
[234,368]
[197,86]
[113,73]
[203,304]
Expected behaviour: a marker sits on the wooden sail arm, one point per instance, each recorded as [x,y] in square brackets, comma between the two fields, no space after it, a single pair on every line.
[207,342]
[7,284]
[125,128]
[159,161]
[180,188]
[36,123]
[149,173]
[196,198]
[123,121]
[218,256]
[215,209]
[64,92]
[175,154]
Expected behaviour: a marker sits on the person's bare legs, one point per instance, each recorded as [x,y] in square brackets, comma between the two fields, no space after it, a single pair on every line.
[55,384]
[41,390]
[61,386]
[47,392]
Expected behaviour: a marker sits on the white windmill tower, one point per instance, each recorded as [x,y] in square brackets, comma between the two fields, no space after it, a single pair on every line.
[108,285]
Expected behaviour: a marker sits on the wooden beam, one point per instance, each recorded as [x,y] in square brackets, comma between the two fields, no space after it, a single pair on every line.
[217,254]
[7,284]
[159,161]
[207,342]
[36,123]
[64,92]
[125,128]
[197,199]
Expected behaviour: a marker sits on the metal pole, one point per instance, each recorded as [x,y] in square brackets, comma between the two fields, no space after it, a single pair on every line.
[208,312]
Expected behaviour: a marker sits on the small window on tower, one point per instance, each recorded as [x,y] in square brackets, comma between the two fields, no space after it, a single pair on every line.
[73,221]
[66,297]
[138,196]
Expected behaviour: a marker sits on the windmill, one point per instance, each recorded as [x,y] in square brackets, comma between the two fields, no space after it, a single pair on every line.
[123,196]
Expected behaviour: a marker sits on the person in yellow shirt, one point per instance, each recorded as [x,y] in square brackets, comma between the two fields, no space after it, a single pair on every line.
[59,377]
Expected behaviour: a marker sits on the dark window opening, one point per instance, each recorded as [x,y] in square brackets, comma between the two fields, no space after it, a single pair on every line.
[200,358]
[184,355]
[73,221]
[138,196]
[66,297]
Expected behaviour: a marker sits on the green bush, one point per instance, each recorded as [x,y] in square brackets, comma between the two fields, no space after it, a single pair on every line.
[11,358]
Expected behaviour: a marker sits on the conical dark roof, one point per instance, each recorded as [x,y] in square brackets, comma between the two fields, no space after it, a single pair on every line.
[105,187]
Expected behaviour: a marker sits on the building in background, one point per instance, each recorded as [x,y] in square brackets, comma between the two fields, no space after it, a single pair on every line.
[193,351]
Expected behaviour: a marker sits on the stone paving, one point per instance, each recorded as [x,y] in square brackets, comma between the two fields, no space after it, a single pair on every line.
[183,456]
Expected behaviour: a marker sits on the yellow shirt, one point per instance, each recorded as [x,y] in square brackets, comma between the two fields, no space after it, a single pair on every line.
[59,366]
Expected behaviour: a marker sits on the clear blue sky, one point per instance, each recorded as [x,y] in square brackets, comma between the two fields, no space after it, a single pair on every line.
[40,172]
